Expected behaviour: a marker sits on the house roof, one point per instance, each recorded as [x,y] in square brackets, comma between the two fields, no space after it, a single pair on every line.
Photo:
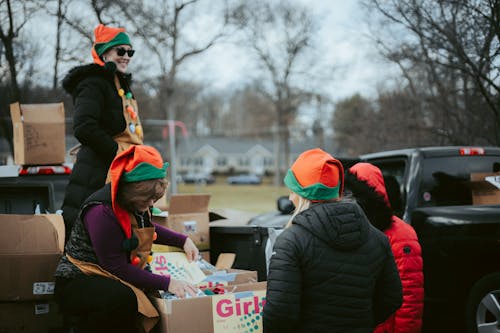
[232,145]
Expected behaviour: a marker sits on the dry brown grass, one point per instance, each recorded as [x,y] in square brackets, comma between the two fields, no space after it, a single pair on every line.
[252,198]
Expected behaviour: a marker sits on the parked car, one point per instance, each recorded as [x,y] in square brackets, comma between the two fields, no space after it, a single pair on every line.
[244,179]
[198,178]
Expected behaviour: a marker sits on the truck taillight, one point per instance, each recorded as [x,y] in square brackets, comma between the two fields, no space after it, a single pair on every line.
[45,170]
[471,151]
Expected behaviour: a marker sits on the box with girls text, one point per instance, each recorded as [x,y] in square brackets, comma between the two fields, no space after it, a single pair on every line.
[237,312]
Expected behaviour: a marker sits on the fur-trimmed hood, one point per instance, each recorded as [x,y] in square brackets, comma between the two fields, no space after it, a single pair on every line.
[366,183]
[79,73]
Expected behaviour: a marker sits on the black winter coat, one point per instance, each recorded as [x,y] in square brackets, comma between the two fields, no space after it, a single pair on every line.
[331,271]
[98,116]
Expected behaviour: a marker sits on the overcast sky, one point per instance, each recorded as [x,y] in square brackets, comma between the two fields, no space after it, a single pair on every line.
[343,38]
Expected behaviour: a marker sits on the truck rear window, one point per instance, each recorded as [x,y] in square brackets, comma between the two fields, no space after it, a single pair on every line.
[446,180]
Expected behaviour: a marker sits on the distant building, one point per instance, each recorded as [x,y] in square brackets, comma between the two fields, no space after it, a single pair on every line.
[228,155]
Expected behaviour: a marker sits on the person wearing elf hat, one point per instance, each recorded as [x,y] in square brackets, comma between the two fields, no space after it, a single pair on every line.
[106,116]
[331,270]
[102,276]
[369,188]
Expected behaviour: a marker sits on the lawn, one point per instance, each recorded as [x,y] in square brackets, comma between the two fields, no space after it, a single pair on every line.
[251,198]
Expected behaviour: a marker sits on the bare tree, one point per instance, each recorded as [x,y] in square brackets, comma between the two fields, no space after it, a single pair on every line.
[280,35]
[13,17]
[452,46]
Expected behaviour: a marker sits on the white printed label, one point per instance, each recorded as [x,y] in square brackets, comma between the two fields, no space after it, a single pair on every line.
[43,288]
[494,180]
[42,308]
[190,226]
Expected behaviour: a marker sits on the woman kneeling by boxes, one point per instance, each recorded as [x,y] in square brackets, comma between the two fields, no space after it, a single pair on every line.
[103,273]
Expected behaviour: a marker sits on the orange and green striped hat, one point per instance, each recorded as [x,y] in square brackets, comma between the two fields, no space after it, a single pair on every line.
[105,38]
[316,176]
[137,163]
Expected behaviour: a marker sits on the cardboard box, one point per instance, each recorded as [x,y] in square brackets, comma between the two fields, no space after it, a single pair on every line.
[188,214]
[30,249]
[39,133]
[29,317]
[233,312]
[484,188]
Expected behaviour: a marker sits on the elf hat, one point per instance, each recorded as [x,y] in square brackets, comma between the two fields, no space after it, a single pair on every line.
[137,163]
[316,176]
[106,38]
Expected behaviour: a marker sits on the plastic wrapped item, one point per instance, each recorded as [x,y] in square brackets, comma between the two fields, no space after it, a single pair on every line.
[205,265]
[169,295]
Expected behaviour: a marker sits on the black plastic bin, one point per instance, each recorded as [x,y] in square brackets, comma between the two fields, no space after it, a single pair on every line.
[247,242]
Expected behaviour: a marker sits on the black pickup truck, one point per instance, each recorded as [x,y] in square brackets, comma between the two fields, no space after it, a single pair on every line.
[32,189]
[460,241]
[431,189]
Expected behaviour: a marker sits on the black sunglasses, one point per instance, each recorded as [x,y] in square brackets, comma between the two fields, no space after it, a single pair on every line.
[121,52]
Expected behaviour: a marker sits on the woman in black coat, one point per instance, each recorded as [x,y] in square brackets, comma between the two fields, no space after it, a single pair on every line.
[106,117]
[331,270]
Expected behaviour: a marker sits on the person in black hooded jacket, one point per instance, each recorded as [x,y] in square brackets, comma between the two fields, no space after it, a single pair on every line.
[331,270]
[106,119]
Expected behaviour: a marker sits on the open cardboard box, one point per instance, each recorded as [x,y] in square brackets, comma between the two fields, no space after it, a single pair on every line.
[39,133]
[29,317]
[30,249]
[485,190]
[231,312]
[188,214]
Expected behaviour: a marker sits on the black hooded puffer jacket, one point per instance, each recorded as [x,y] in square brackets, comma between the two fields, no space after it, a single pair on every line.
[98,116]
[331,271]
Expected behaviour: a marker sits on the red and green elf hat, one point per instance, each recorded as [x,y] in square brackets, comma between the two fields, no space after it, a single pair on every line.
[105,38]
[137,163]
[316,176]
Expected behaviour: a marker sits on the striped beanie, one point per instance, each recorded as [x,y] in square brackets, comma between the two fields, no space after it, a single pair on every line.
[105,38]
[316,176]
[137,163]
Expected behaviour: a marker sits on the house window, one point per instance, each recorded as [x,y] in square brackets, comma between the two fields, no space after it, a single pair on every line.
[221,161]
[268,161]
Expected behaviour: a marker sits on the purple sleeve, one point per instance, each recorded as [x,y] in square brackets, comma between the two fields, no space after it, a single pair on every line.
[169,237]
[107,237]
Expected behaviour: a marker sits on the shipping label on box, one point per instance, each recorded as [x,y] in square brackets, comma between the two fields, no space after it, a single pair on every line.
[39,133]
[30,249]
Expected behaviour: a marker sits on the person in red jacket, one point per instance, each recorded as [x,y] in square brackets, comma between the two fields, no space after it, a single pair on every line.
[367,185]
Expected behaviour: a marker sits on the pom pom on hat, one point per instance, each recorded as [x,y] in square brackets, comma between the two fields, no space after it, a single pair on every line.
[105,38]
[137,163]
[316,176]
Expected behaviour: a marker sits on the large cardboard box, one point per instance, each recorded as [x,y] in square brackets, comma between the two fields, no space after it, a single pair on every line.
[233,312]
[188,214]
[39,133]
[485,188]
[30,249]
[29,317]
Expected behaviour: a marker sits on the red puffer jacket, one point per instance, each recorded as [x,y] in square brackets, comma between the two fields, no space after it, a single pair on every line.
[368,187]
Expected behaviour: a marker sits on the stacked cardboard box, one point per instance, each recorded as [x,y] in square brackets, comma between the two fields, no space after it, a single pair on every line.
[39,133]
[187,214]
[30,248]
